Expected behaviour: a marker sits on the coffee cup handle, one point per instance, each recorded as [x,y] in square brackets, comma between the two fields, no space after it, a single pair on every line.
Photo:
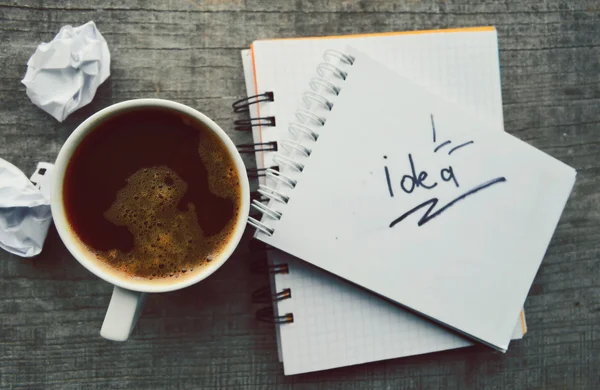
[123,311]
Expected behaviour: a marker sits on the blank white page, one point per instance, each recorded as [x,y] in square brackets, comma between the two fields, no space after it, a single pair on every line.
[354,214]
[319,297]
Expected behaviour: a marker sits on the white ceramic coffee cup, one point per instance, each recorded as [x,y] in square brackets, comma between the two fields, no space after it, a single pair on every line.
[128,293]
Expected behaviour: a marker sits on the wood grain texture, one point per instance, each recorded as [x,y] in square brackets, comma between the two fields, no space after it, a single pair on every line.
[206,336]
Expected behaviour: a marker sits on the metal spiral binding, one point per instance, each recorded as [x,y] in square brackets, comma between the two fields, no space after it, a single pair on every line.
[304,125]
[324,67]
[266,314]
[317,82]
[265,210]
[285,160]
[310,116]
[254,214]
[248,124]
[260,226]
[309,97]
[264,295]
[272,194]
[294,128]
[258,196]
[345,58]
[243,105]
[281,178]
[259,147]
[258,172]
[260,266]
[289,144]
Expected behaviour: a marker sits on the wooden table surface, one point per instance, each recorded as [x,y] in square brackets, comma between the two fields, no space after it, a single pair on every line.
[206,336]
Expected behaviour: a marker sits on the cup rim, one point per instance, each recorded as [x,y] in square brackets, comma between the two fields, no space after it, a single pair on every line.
[69,237]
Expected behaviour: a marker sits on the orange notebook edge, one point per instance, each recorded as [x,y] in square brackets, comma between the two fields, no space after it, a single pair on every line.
[391,33]
[262,155]
[523,324]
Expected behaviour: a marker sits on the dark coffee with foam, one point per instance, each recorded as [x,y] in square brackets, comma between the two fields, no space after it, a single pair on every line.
[152,193]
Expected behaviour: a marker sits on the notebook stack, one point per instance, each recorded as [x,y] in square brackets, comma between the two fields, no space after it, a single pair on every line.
[397,216]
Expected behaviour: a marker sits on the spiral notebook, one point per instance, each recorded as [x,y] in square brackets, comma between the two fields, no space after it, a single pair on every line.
[336,323]
[402,192]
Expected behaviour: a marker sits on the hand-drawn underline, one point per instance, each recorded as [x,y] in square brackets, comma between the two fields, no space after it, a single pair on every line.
[428,216]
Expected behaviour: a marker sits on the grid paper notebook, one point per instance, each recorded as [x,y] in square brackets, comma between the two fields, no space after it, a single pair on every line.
[391,331]
[356,205]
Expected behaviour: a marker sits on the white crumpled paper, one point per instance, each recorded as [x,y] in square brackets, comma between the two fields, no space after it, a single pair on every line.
[25,214]
[63,75]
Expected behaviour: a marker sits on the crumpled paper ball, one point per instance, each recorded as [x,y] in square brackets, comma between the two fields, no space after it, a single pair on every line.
[25,214]
[63,75]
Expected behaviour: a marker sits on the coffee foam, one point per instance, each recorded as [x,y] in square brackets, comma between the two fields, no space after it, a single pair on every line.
[168,242]
[223,178]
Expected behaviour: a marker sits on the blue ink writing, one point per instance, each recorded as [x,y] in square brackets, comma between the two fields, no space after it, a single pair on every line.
[430,214]
[387,178]
[459,146]
[441,146]
[411,181]
[449,175]
[415,181]
[445,142]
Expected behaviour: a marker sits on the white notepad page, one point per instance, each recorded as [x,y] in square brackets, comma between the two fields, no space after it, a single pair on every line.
[392,331]
[458,268]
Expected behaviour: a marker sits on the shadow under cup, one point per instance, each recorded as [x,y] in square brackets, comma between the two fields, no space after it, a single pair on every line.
[91,129]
